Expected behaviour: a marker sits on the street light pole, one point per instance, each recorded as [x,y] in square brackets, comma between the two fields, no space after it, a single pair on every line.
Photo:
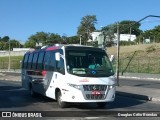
[9,59]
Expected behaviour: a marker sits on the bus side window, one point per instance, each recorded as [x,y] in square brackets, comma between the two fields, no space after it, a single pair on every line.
[60,65]
[24,66]
[34,63]
[40,61]
[30,61]
[52,62]
[46,60]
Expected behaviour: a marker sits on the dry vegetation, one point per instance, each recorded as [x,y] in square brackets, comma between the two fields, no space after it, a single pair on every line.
[146,58]
[141,49]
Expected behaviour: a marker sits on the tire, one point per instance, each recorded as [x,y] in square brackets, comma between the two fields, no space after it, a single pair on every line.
[101,104]
[32,93]
[59,100]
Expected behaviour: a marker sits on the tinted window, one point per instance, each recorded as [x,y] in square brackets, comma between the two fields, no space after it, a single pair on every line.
[49,61]
[46,60]
[25,61]
[40,61]
[52,61]
[30,61]
[34,64]
[60,64]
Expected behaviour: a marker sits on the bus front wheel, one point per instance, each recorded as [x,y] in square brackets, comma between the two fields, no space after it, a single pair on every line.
[59,100]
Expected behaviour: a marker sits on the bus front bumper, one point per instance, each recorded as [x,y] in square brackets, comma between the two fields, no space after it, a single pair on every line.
[76,95]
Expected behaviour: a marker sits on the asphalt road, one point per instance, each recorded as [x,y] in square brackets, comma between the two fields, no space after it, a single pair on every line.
[15,98]
[155,84]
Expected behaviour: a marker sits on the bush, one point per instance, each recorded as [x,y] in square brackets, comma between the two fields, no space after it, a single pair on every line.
[151,48]
[126,43]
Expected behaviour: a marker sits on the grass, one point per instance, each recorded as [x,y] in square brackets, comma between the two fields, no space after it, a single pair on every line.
[145,60]
[15,62]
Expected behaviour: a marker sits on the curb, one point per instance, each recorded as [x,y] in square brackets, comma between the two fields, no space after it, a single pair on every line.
[138,96]
[138,78]
[17,80]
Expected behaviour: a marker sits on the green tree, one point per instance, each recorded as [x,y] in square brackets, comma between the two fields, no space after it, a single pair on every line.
[108,34]
[44,38]
[152,34]
[14,44]
[39,37]
[73,40]
[53,39]
[30,44]
[87,25]
[2,46]
[5,39]
[128,26]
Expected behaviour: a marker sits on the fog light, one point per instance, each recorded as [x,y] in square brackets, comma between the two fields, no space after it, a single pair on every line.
[73,97]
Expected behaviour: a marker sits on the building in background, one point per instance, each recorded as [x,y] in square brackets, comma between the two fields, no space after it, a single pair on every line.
[99,37]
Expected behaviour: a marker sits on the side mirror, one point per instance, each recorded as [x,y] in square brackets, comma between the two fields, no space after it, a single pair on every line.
[112,58]
[57,56]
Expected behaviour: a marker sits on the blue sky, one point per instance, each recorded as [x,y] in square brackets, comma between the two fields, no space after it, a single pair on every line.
[20,19]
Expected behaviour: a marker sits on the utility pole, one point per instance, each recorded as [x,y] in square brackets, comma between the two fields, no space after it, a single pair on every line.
[118,48]
[130,33]
[9,59]
[80,42]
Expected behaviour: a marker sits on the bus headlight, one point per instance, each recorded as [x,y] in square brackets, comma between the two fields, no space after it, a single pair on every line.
[75,86]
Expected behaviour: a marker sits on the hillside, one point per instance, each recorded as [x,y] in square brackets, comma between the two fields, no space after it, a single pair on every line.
[143,50]
[146,59]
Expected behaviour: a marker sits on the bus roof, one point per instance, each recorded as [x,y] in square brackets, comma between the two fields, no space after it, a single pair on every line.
[67,46]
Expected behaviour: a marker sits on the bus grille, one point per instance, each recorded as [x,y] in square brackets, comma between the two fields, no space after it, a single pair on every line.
[94,87]
[88,89]
[95,97]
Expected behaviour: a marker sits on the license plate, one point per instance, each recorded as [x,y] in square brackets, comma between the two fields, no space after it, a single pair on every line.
[96,93]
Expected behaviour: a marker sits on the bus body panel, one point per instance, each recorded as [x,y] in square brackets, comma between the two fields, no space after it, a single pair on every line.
[71,94]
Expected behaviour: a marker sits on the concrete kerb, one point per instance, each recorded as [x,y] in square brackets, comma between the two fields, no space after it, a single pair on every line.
[139,78]
[9,77]
[142,76]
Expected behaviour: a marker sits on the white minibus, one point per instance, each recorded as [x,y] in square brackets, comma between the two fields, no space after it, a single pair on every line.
[70,74]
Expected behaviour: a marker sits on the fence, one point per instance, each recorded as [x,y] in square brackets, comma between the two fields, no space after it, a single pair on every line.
[137,65]
[12,53]
[13,65]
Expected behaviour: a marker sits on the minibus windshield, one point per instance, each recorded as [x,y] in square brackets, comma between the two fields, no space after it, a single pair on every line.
[88,63]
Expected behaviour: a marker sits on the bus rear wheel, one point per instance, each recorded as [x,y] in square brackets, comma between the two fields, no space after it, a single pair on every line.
[59,100]
[32,93]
